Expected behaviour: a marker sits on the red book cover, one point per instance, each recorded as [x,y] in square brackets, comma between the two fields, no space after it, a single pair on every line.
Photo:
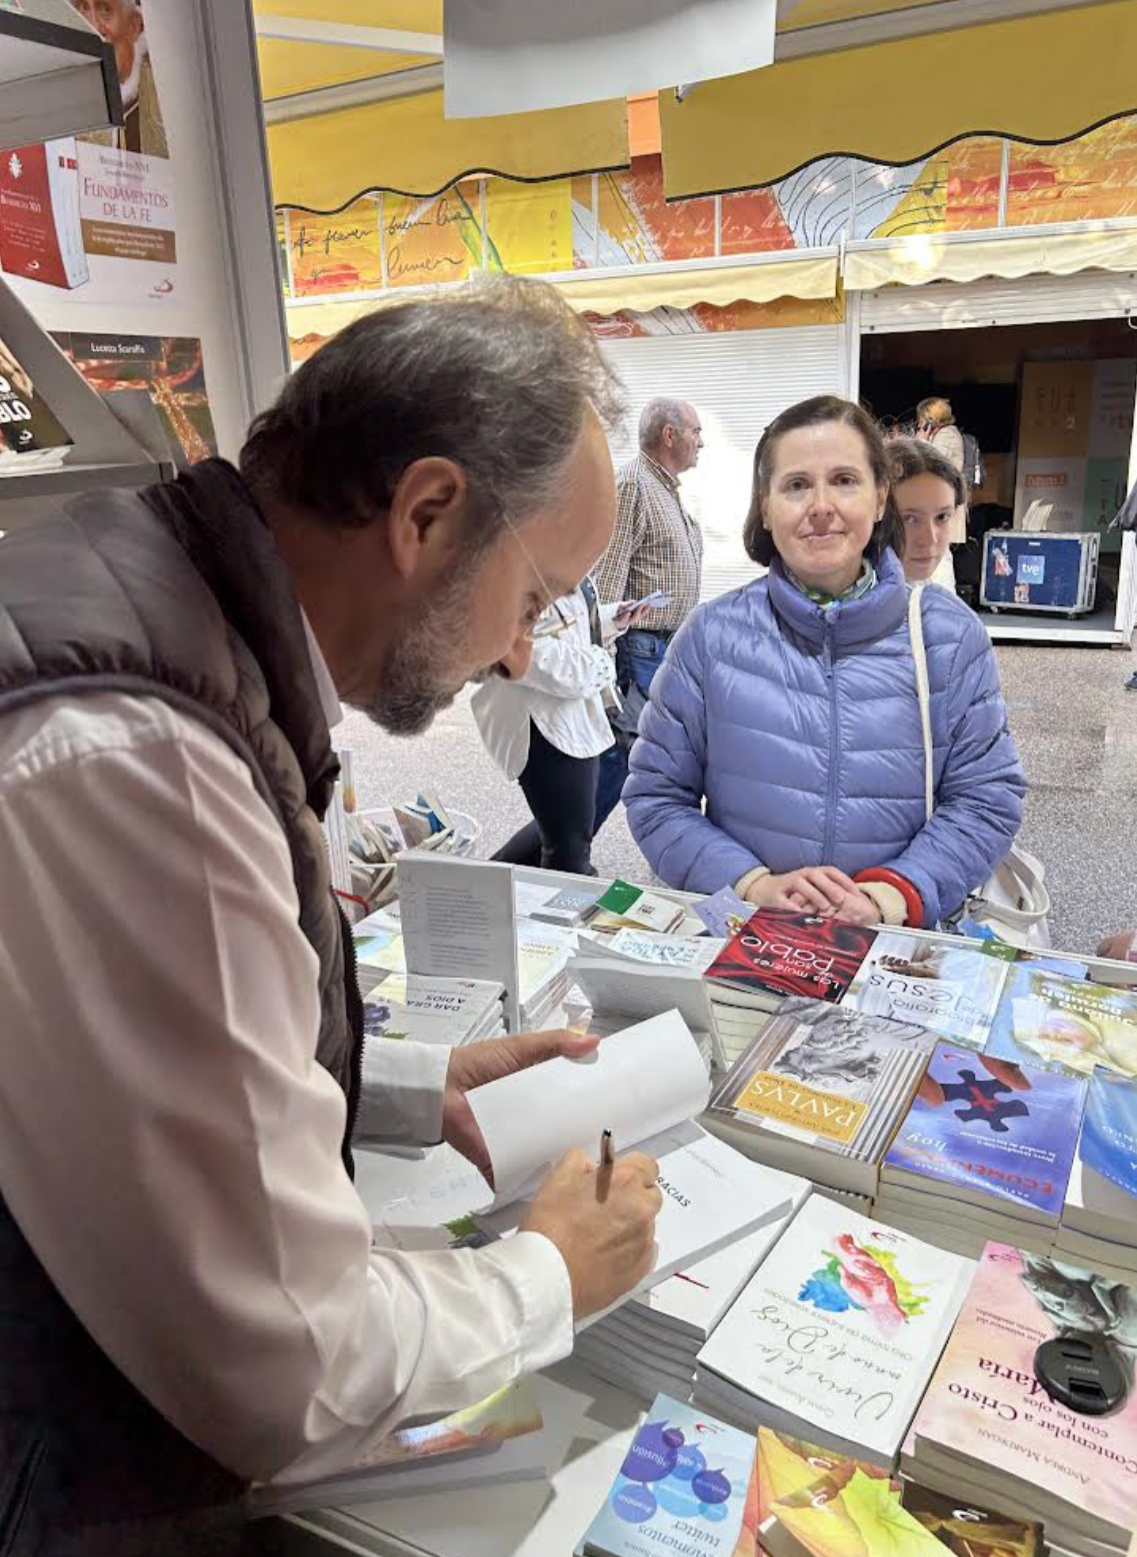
[31,220]
[778,952]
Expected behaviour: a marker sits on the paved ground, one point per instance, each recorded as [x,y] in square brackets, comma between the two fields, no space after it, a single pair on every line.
[1075,724]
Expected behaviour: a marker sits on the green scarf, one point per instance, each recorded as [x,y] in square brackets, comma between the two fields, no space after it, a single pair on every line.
[860,586]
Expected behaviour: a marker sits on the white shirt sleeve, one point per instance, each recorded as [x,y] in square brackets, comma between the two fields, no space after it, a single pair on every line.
[168,1143]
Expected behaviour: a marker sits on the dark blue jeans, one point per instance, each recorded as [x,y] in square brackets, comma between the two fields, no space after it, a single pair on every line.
[638,656]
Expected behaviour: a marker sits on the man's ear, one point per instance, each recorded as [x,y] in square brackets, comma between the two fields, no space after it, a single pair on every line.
[427,515]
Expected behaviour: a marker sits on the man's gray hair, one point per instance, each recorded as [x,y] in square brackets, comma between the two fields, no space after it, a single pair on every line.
[497,376]
[658,414]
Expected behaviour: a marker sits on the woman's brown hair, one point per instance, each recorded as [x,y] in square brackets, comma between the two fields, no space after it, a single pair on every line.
[818,411]
[908,457]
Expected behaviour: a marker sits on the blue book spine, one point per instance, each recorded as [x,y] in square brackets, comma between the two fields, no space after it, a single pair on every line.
[1109,1130]
[682,1487]
[986,1124]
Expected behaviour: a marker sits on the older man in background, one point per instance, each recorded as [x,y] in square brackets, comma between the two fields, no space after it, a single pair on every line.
[656,546]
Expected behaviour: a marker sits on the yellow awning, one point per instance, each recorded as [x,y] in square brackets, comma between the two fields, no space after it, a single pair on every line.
[929,257]
[353,104]
[1042,78]
[408,147]
[815,277]
[812,278]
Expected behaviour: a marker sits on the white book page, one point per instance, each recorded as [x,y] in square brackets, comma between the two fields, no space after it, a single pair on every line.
[459,919]
[637,1083]
[712,1196]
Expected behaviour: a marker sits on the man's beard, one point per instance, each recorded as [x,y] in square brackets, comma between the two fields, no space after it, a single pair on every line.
[418,678]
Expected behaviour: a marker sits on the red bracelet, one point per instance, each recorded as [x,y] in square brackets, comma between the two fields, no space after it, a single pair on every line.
[913,902]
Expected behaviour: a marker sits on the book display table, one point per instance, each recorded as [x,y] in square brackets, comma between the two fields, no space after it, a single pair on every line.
[589,1424]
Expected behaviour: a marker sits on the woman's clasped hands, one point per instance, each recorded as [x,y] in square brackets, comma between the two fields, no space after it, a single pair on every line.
[816,889]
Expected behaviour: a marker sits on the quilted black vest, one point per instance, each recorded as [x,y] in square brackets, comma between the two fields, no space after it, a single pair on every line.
[179,593]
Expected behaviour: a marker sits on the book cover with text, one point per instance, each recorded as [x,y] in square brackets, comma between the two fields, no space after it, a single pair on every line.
[948,985]
[840,1327]
[40,234]
[965,1530]
[1075,1024]
[28,426]
[683,1481]
[985,1405]
[781,953]
[991,1129]
[826,1076]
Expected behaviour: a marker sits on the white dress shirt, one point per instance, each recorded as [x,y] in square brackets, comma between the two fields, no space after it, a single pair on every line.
[561,692]
[168,1144]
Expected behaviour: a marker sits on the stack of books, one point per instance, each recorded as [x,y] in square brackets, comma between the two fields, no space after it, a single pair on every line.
[948,985]
[633,974]
[985,1152]
[806,1501]
[543,952]
[835,1337]
[987,1423]
[682,1487]
[499,1439]
[426,1009]
[778,953]
[1098,1226]
[654,1339]
[821,1092]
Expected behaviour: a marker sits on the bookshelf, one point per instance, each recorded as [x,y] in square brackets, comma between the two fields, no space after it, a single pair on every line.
[57,76]
[117,440]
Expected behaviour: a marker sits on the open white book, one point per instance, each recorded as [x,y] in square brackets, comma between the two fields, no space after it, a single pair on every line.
[645,1084]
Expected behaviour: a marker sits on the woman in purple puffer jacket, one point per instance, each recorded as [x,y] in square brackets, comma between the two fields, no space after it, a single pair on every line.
[790,707]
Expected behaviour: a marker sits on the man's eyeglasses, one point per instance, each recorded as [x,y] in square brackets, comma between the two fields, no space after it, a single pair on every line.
[540,629]
[551,629]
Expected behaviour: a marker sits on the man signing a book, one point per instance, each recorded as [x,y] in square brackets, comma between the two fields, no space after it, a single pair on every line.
[188,1297]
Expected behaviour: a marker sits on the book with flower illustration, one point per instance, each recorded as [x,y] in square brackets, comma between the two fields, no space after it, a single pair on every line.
[1069,1023]
[948,985]
[821,1092]
[836,1335]
[778,953]
[499,1439]
[681,1487]
[987,1424]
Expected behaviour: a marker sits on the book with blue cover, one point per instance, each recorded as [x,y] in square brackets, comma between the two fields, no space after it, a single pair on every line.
[1099,1219]
[682,1487]
[988,1131]
[1109,1130]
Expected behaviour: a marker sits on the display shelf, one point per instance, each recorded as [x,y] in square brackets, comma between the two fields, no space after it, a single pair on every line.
[116,440]
[69,479]
[57,75]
